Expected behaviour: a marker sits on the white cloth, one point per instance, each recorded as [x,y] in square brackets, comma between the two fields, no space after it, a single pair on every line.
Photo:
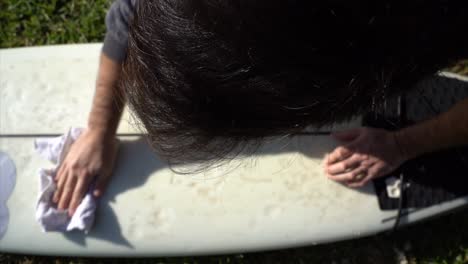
[47,214]
[7,183]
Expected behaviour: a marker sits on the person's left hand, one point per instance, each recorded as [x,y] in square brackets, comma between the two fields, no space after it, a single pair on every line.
[366,153]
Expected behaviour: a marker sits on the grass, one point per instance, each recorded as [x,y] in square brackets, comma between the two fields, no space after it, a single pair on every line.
[39,22]
[442,240]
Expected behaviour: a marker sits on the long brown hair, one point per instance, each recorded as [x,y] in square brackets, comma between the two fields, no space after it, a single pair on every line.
[204,77]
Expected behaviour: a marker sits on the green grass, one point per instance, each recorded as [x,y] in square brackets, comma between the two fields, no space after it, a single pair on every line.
[39,22]
[442,240]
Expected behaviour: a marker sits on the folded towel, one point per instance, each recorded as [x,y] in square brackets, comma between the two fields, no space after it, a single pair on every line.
[47,214]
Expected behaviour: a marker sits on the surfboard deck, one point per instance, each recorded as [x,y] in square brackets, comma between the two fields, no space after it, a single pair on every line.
[277,198]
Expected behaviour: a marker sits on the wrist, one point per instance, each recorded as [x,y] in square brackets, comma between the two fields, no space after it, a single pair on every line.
[100,131]
[404,146]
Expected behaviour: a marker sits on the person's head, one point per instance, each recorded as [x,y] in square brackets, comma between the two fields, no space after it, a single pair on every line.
[203,76]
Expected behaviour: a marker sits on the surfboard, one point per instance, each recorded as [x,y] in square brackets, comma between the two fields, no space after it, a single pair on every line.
[276,198]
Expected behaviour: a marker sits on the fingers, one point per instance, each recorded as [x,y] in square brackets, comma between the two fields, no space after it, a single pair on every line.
[339,154]
[70,190]
[59,172]
[347,135]
[67,192]
[79,192]
[350,163]
[350,175]
[373,172]
[61,178]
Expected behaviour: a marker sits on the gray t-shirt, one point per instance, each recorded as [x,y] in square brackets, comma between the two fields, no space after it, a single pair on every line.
[117,23]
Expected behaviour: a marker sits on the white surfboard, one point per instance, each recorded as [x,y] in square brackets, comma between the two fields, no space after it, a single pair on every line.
[277,198]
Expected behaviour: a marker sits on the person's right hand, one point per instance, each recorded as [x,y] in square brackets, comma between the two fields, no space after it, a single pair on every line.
[91,155]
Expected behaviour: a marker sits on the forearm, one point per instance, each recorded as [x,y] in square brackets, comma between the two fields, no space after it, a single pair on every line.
[446,130]
[109,101]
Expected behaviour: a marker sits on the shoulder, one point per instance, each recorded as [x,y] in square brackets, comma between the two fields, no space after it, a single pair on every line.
[118,19]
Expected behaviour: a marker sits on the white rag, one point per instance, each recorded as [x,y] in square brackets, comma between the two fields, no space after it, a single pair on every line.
[7,183]
[47,214]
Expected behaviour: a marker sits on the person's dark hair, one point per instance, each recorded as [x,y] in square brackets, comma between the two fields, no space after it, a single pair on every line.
[206,76]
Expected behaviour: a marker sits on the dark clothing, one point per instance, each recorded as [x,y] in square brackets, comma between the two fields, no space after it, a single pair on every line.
[117,23]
